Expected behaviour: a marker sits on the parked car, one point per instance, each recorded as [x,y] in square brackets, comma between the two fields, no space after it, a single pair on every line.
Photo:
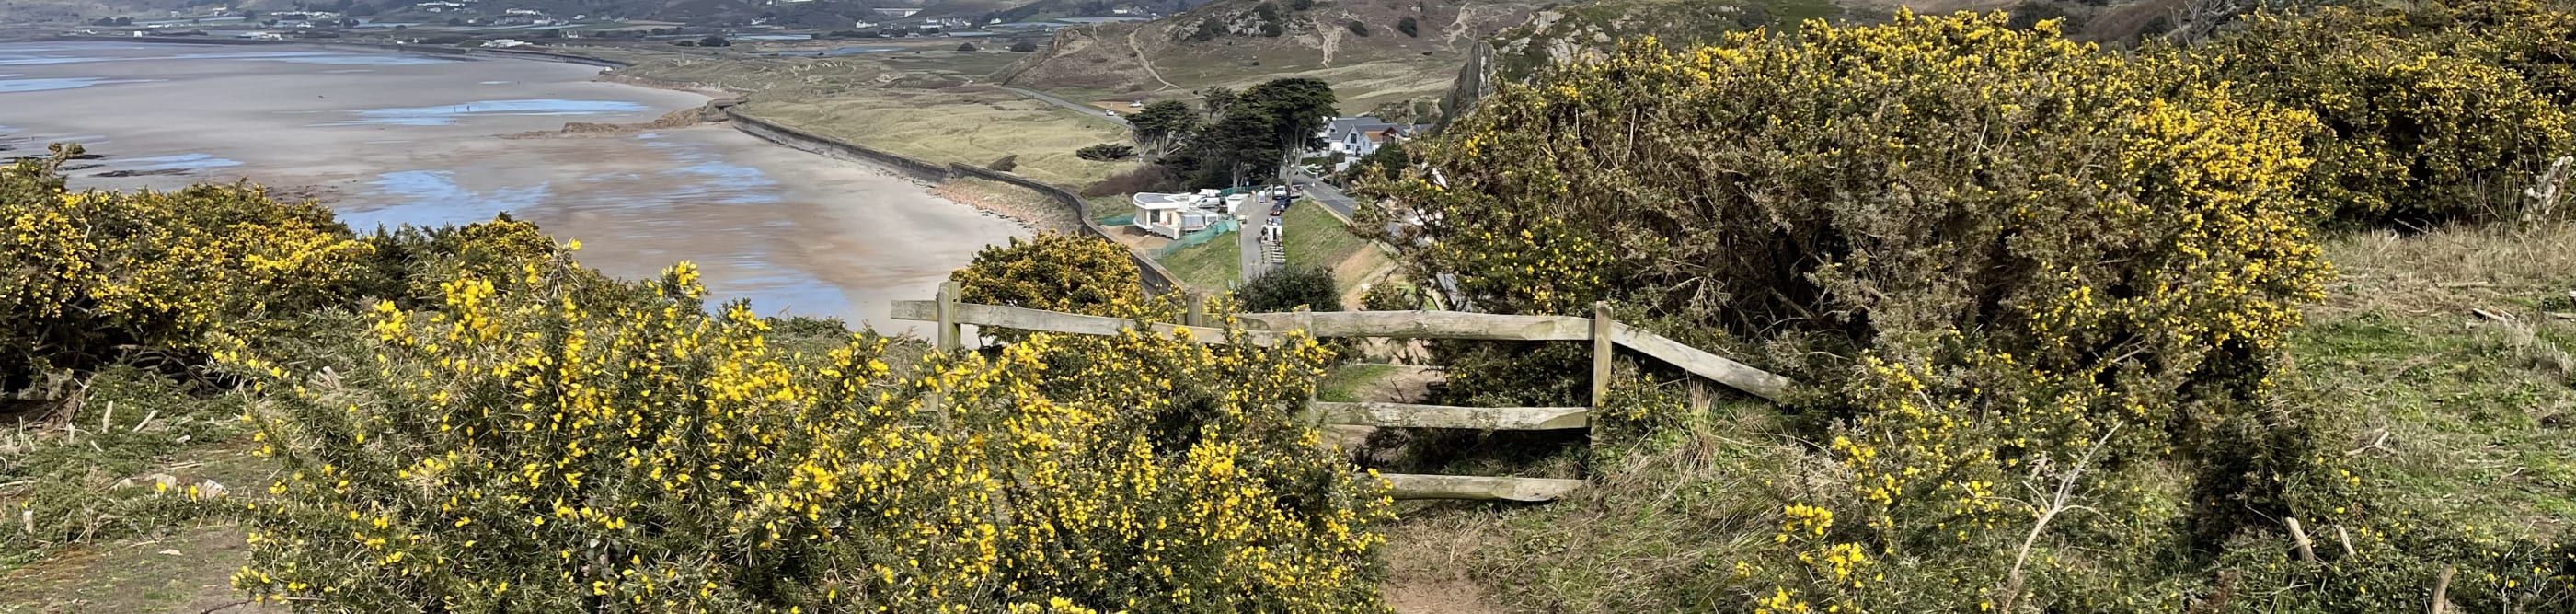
[1136,104]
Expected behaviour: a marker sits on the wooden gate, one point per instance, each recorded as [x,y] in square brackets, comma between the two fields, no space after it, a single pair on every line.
[1605,334]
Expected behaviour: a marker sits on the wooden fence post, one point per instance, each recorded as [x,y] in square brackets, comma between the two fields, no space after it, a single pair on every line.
[1197,315]
[948,329]
[1602,348]
[948,342]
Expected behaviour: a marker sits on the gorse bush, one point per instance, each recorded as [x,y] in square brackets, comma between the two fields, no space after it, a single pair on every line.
[1053,271]
[2441,112]
[90,276]
[410,263]
[1994,249]
[539,451]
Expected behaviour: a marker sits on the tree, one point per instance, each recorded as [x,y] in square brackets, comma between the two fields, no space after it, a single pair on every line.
[1161,126]
[714,41]
[1289,288]
[1388,162]
[1297,110]
[1215,101]
[1024,46]
[1259,133]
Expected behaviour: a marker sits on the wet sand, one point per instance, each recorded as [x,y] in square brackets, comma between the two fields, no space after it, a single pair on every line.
[396,139]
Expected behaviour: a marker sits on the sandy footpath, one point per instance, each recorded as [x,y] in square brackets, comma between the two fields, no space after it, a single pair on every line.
[404,139]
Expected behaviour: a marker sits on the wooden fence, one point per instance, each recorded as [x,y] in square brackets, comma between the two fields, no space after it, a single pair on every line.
[1605,334]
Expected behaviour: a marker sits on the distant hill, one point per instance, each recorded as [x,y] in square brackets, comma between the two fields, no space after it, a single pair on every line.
[1373,51]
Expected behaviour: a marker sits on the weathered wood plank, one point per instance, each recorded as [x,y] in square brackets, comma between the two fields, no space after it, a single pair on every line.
[1724,370]
[1215,335]
[1427,325]
[1448,417]
[1417,486]
[1014,317]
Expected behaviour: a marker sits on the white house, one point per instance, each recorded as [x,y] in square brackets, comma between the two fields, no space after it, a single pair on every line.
[1355,137]
[1359,136]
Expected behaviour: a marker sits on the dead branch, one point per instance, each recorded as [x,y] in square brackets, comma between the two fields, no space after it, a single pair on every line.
[2307,550]
[2442,590]
[2345,537]
[2059,504]
[2378,444]
[2544,191]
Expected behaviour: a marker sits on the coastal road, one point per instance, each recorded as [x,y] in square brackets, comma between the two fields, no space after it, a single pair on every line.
[1076,106]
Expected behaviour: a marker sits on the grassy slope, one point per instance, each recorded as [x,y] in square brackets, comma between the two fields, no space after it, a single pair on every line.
[914,103]
[2477,416]
[1208,266]
[962,126]
[1316,238]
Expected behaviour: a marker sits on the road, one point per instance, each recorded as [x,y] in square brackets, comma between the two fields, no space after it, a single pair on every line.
[1248,242]
[1076,106]
[1327,194]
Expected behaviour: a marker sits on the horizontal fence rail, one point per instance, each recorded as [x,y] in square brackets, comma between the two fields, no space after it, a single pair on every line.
[1475,487]
[1427,325]
[1447,417]
[1269,328]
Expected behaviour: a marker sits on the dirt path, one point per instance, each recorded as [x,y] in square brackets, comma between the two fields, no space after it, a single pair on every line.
[1148,63]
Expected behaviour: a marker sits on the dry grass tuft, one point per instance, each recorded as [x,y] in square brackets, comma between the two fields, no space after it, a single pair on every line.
[2450,269]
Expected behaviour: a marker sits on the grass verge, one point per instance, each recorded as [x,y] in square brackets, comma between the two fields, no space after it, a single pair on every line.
[1213,265]
[1316,238]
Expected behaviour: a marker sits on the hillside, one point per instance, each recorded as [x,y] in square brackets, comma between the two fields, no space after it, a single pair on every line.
[1372,51]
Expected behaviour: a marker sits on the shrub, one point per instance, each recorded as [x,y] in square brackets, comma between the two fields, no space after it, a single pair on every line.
[1024,46]
[1053,272]
[1005,163]
[684,43]
[409,263]
[88,276]
[1105,152]
[714,41]
[1289,288]
[1988,248]
[965,46]
[1147,178]
[2421,122]
[1356,28]
[536,452]
[1392,295]
[1408,26]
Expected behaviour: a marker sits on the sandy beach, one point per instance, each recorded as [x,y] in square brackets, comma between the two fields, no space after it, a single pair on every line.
[395,139]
